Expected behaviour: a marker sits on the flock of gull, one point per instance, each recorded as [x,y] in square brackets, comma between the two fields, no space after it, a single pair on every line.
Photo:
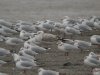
[32,35]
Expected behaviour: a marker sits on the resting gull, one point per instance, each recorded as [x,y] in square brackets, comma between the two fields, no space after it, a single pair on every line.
[82,45]
[4,52]
[3,73]
[26,35]
[28,54]
[90,61]
[93,55]
[96,71]
[18,57]
[95,39]
[5,23]
[47,72]
[13,41]
[2,62]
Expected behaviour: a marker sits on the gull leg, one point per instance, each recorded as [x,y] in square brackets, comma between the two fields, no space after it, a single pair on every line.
[51,30]
[71,36]
[98,46]
[25,73]
[66,53]
[81,51]
[64,35]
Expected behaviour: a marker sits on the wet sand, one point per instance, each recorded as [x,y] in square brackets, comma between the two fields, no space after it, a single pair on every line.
[47,9]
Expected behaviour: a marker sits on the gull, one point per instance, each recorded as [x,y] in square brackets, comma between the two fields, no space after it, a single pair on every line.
[72,30]
[68,22]
[26,35]
[41,35]
[83,27]
[88,23]
[28,50]
[66,18]
[90,61]
[82,44]
[93,18]
[20,23]
[6,31]
[28,44]
[58,25]
[2,62]
[93,55]
[18,57]
[37,39]
[49,22]
[2,38]
[28,28]
[25,65]
[47,25]
[49,37]
[62,32]
[34,48]
[95,39]
[3,73]
[66,47]
[4,52]
[9,30]
[23,22]
[69,41]
[5,23]
[37,49]
[96,71]
[13,41]
[39,22]
[42,71]
[97,25]
[27,53]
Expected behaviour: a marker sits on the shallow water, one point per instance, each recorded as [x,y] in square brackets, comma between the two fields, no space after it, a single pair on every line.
[47,9]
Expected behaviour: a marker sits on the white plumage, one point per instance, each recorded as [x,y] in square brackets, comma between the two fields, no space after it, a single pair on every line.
[83,45]
[2,62]
[47,72]
[26,35]
[90,61]
[72,30]
[66,47]
[13,41]
[25,65]
[96,71]
[95,39]
[3,73]
[4,52]
[27,53]
[5,23]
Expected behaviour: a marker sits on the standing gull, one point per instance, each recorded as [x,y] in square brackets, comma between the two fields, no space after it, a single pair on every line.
[66,47]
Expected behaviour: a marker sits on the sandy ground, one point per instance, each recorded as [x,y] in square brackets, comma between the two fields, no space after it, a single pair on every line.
[33,10]
[54,59]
